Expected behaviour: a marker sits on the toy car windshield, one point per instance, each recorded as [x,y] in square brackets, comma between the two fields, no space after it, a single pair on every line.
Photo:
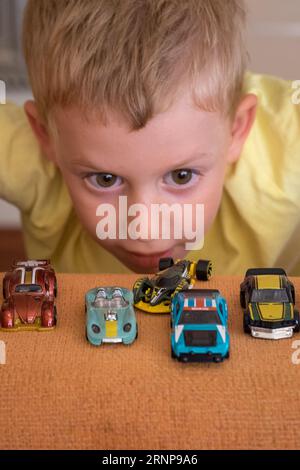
[115,302]
[118,302]
[269,295]
[190,317]
[24,288]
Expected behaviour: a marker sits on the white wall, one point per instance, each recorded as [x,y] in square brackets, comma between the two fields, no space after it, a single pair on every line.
[274,46]
[274,37]
[9,215]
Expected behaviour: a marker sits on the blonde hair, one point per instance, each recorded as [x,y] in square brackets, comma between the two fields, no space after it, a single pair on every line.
[134,56]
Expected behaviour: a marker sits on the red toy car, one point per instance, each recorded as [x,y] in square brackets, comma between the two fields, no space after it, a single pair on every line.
[29,291]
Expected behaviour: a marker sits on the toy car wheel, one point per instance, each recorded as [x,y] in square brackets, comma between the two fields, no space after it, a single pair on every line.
[90,342]
[55,314]
[203,270]
[87,338]
[242,299]
[47,320]
[173,355]
[137,332]
[139,290]
[227,356]
[297,318]
[7,320]
[293,294]
[55,288]
[218,359]
[246,323]
[165,263]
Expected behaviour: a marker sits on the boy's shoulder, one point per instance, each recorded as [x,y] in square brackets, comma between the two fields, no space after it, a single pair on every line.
[272,151]
[271,91]
[23,169]
[27,179]
[260,210]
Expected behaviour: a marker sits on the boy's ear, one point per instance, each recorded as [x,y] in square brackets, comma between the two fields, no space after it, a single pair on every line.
[241,126]
[39,130]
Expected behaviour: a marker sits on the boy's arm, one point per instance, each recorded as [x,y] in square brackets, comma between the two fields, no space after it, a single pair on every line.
[262,221]
[33,184]
[19,157]
[27,179]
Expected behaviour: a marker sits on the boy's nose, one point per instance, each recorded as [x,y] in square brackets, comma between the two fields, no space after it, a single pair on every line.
[140,219]
[145,195]
[146,215]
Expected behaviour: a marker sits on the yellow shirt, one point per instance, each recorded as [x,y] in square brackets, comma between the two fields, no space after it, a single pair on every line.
[258,223]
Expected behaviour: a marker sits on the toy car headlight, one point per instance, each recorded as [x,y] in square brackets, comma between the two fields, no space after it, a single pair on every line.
[96,329]
[127,327]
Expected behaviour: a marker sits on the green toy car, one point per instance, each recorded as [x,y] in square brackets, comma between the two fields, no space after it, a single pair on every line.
[110,316]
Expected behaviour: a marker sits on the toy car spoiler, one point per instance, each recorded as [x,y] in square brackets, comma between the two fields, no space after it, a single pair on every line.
[31,263]
[265,271]
[199,292]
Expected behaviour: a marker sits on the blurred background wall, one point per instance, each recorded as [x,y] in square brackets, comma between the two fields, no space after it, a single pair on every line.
[273,43]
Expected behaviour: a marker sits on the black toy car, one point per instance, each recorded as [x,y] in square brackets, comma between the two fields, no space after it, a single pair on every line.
[268,299]
[155,294]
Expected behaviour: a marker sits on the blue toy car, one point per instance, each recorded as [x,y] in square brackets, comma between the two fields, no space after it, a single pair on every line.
[110,316]
[199,326]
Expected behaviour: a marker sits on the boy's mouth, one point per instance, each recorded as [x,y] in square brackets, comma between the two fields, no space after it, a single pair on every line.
[147,262]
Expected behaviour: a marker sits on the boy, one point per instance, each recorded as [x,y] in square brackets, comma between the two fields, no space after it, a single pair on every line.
[148,99]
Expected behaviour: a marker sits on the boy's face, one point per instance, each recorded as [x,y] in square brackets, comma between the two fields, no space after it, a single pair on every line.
[180,156]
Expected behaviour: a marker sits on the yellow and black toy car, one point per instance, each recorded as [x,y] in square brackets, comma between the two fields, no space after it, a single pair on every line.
[268,299]
[155,294]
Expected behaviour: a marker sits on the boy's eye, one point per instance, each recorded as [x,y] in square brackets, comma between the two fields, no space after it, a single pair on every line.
[104,180]
[180,177]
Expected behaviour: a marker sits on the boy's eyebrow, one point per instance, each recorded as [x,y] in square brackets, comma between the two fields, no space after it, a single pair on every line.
[182,164]
[193,158]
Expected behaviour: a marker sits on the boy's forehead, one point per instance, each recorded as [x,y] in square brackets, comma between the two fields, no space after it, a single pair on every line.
[181,132]
[183,113]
